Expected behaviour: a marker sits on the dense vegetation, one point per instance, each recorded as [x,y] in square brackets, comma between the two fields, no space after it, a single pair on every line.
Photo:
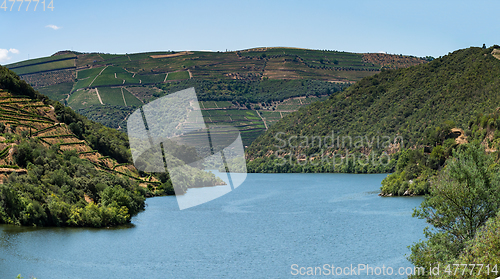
[249,78]
[110,116]
[53,192]
[461,180]
[415,167]
[482,249]
[404,104]
[461,207]
[107,141]
[246,92]
[55,172]
[58,188]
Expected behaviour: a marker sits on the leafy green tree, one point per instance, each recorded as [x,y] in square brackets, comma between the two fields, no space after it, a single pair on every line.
[483,249]
[462,198]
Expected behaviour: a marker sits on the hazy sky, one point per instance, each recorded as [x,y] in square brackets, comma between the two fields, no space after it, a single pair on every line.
[417,28]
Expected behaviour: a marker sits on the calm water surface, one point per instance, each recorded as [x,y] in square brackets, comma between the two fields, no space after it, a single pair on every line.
[259,230]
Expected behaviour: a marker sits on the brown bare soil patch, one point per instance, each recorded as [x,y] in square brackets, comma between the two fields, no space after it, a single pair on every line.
[462,138]
[496,53]
[87,198]
[171,55]
[78,147]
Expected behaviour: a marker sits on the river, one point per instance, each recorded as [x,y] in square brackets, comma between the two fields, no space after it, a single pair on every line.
[269,227]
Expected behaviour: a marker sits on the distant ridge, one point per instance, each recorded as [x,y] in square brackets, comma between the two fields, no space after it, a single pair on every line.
[263,78]
[403,102]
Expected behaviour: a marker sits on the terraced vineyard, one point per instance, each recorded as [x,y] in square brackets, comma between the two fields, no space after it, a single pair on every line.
[294,104]
[248,122]
[83,98]
[239,83]
[272,117]
[251,123]
[215,104]
[57,92]
[251,64]
[45,64]
[23,117]
[177,75]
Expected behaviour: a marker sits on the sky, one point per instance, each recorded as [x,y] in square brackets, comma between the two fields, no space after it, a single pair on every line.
[419,28]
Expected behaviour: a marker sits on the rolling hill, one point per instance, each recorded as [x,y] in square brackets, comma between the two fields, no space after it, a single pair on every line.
[57,168]
[273,80]
[405,105]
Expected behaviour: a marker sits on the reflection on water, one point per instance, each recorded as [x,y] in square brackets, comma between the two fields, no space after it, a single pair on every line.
[258,230]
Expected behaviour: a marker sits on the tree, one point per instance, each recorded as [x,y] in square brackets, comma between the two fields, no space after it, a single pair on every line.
[462,198]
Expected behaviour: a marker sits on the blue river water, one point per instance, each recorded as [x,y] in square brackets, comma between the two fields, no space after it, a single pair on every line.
[269,227]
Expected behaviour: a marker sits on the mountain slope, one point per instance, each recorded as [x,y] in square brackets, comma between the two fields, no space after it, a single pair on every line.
[97,84]
[401,104]
[250,64]
[51,176]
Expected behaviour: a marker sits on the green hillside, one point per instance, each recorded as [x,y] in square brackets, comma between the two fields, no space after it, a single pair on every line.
[52,176]
[57,168]
[459,174]
[262,78]
[55,62]
[403,105]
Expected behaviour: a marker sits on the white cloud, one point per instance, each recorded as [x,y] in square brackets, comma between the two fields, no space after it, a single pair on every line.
[55,27]
[4,54]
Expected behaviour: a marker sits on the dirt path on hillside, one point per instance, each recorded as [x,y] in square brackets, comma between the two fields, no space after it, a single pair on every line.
[9,170]
[133,94]
[97,76]
[123,96]
[190,75]
[99,96]
[263,120]
[165,80]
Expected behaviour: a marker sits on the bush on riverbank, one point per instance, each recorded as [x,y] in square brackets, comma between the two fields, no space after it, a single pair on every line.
[462,199]
[64,190]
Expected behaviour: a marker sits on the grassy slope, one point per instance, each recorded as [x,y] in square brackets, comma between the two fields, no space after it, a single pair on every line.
[44,60]
[112,96]
[57,92]
[250,64]
[399,102]
[45,67]
[250,77]
[83,98]
[245,96]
